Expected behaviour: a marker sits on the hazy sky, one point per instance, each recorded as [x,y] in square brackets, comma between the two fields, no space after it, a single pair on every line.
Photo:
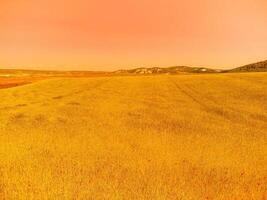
[111,34]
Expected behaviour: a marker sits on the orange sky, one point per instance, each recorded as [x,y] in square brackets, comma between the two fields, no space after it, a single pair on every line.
[111,34]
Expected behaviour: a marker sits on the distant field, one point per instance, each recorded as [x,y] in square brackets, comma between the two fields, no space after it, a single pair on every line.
[8,82]
[13,78]
[185,137]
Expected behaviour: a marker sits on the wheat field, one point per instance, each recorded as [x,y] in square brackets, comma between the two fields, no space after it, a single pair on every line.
[184,137]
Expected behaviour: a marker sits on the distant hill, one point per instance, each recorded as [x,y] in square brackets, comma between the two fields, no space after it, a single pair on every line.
[254,67]
[167,70]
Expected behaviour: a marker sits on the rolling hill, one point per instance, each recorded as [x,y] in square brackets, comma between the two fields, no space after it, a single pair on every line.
[254,67]
[39,74]
[167,70]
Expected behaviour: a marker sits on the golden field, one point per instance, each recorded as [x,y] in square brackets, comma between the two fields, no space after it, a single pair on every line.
[184,137]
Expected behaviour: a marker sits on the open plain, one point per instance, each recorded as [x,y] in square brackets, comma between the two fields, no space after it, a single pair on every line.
[184,137]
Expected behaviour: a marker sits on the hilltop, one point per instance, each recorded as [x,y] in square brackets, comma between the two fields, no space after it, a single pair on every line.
[254,67]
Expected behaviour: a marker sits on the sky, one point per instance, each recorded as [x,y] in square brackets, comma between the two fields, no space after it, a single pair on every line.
[113,34]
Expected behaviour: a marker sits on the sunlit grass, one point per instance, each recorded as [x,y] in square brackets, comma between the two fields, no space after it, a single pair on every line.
[185,137]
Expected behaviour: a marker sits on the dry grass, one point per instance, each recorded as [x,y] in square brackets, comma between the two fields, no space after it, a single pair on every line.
[156,137]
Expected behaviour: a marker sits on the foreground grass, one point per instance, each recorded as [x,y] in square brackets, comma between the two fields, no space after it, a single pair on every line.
[157,137]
